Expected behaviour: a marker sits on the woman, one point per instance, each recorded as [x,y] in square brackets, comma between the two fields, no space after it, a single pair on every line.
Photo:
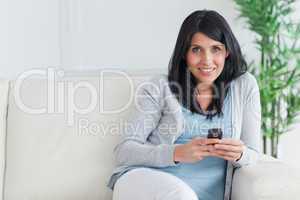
[167,154]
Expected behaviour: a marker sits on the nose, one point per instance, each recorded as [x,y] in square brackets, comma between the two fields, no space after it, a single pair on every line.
[206,58]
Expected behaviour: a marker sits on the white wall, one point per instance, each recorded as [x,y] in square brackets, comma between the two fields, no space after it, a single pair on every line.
[82,34]
[97,33]
[290,147]
[29,35]
[133,33]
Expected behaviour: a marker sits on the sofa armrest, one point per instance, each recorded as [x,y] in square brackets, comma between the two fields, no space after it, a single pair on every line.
[4,88]
[269,179]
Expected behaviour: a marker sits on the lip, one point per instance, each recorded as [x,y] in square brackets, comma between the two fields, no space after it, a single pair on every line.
[206,71]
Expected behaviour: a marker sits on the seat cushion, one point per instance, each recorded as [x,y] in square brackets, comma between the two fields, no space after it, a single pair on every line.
[269,179]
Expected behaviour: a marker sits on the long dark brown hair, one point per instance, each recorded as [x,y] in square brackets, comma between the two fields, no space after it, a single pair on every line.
[182,83]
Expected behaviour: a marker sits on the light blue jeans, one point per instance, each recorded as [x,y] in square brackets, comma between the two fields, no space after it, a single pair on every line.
[151,184]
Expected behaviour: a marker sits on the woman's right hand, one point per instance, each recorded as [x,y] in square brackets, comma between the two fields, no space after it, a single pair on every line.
[195,150]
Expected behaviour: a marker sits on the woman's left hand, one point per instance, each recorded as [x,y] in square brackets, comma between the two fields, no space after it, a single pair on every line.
[229,149]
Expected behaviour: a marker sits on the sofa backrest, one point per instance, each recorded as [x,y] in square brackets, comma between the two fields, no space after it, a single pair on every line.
[60,135]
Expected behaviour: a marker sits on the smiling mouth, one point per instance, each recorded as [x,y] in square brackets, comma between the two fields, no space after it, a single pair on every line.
[206,70]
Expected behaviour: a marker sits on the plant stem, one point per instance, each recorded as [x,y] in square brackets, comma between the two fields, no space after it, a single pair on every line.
[265,144]
[273,128]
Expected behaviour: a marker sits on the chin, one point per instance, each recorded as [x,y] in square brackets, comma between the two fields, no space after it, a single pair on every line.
[206,80]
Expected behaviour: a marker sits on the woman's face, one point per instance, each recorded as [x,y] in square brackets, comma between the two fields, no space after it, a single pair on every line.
[205,58]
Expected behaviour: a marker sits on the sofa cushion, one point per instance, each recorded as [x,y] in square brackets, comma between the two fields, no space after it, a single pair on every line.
[64,152]
[269,179]
[4,85]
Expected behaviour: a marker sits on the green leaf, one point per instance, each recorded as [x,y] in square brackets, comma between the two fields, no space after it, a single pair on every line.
[278,70]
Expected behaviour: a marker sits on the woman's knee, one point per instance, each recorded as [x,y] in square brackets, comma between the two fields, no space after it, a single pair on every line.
[144,184]
[181,192]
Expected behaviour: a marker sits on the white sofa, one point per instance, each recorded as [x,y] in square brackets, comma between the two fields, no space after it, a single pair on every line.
[53,149]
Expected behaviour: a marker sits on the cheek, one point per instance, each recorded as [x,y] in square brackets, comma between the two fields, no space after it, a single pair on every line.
[220,61]
[192,60]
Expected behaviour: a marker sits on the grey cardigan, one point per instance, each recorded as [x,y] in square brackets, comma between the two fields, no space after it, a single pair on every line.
[157,121]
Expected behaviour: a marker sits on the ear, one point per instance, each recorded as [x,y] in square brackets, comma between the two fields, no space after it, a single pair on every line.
[227,54]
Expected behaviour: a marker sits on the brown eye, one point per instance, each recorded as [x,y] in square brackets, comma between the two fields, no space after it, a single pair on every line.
[216,49]
[196,49]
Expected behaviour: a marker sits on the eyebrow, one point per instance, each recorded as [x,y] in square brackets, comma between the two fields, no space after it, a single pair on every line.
[215,45]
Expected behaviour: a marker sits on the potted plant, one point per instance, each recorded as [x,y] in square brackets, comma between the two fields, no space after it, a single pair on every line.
[278,69]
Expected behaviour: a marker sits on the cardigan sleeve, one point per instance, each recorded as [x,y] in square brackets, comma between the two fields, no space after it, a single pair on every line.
[133,148]
[251,126]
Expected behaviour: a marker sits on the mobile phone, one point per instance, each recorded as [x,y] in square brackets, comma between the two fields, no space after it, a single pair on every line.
[215,133]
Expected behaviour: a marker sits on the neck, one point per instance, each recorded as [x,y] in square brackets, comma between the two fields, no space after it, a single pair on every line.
[204,88]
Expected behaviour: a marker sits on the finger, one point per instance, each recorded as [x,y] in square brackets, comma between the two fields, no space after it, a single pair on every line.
[206,154]
[225,156]
[220,156]
[212,141]
[226,153]
[231,141]
[207,148]
[228,158]
[236,149]
[204,141]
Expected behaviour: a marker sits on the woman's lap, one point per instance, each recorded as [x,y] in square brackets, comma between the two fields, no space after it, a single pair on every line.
[151,184]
